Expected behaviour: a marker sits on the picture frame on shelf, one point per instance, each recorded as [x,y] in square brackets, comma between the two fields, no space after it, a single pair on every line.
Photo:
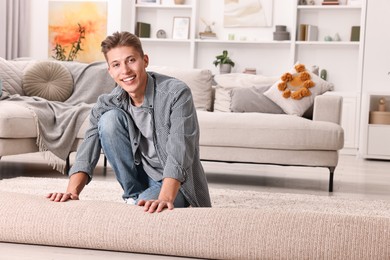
[148,2]
[181,27]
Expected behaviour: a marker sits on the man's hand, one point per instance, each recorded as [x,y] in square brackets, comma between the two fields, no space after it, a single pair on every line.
[168,193]
[155,205]
[62,197]
[76,184]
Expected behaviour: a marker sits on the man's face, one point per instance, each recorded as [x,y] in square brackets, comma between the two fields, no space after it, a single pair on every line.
[127,67]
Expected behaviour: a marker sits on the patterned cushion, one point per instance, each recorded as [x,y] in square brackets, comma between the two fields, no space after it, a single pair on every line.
[297,106]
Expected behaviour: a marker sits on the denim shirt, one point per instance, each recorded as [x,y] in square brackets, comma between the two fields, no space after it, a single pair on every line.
[176,134]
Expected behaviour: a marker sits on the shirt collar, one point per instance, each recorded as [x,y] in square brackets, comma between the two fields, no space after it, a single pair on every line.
[149,93]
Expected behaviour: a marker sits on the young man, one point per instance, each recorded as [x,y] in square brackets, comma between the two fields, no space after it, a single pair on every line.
[148,129]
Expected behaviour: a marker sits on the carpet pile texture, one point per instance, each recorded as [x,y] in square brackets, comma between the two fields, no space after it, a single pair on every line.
[279,228]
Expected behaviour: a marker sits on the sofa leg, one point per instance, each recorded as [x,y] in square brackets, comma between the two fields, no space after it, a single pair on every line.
[67,165]
[105,162]
[331,171]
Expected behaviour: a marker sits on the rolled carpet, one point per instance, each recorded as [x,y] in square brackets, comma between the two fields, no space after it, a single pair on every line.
[212,233]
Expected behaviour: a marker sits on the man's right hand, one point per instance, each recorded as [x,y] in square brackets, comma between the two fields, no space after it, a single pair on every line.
[76,184]
[62,197]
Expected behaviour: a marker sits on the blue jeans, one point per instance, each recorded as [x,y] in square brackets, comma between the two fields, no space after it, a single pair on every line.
[116,145]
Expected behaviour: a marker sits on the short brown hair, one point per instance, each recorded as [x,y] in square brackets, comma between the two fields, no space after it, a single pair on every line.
[119,39]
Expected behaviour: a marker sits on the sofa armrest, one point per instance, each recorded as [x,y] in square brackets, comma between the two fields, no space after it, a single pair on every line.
[328,108]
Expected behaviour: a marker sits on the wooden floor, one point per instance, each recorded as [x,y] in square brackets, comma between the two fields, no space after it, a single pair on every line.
[354,178]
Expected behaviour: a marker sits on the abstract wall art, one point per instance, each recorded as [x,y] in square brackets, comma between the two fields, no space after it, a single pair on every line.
[76,30]
[248,13]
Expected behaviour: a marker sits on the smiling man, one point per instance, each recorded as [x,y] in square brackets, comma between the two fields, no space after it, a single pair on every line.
[148,129]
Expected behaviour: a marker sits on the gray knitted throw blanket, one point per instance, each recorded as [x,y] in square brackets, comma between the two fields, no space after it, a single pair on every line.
[59,122]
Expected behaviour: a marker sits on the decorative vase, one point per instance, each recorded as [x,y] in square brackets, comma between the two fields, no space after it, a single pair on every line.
[225,68]
[179,2]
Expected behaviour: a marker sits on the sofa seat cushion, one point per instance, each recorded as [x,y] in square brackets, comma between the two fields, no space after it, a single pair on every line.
[268,131]
[17,121]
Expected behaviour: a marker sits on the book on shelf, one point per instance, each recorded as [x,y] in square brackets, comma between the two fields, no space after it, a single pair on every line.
[302,32]
[355,33]
[307,32]
[330,2]
[311,33]
[142,30]
[207,35]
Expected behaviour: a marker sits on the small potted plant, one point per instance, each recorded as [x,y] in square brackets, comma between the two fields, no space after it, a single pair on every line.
[224,62]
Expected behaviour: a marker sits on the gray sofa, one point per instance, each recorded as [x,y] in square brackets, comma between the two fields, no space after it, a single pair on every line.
[252,137]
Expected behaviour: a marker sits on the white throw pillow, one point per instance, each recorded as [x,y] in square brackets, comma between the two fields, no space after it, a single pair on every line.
[298,106]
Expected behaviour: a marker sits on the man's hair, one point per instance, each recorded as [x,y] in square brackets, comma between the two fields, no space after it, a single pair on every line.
[119,39]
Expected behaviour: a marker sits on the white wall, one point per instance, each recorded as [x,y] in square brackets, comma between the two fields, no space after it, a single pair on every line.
[376,70]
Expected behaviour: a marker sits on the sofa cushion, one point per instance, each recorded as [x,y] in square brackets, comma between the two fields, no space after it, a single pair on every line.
[298,106]
[49,80]
[229,88]
[253,100]
[268,131]
[242,80]
[11,76]
[16,121]
[198,80]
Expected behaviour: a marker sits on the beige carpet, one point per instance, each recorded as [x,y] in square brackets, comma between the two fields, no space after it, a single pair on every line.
[284,226]
[221,198]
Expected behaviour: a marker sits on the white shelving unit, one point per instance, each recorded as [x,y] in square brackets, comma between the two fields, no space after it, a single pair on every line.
[375,138]
[343,60]
[376,144]
[168,51]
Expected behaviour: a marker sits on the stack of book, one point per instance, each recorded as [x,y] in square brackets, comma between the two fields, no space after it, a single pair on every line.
[330,2]
[307,32]
[207,35]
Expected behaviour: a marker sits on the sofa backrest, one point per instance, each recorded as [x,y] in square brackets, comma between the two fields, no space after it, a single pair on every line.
[198,80]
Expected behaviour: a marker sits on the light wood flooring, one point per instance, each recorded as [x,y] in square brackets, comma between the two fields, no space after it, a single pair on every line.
[354,178]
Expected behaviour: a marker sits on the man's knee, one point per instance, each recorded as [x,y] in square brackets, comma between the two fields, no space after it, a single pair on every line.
[111,122]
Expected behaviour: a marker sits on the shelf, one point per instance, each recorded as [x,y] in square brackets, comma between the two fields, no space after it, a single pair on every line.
[242,42]
[336,43]
[333,7]
[158,6]
[166,40]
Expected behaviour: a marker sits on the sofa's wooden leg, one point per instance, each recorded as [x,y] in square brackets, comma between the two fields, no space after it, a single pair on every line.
[331,171]
[105,162]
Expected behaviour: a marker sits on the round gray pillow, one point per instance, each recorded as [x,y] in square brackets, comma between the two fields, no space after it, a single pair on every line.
[49,80]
